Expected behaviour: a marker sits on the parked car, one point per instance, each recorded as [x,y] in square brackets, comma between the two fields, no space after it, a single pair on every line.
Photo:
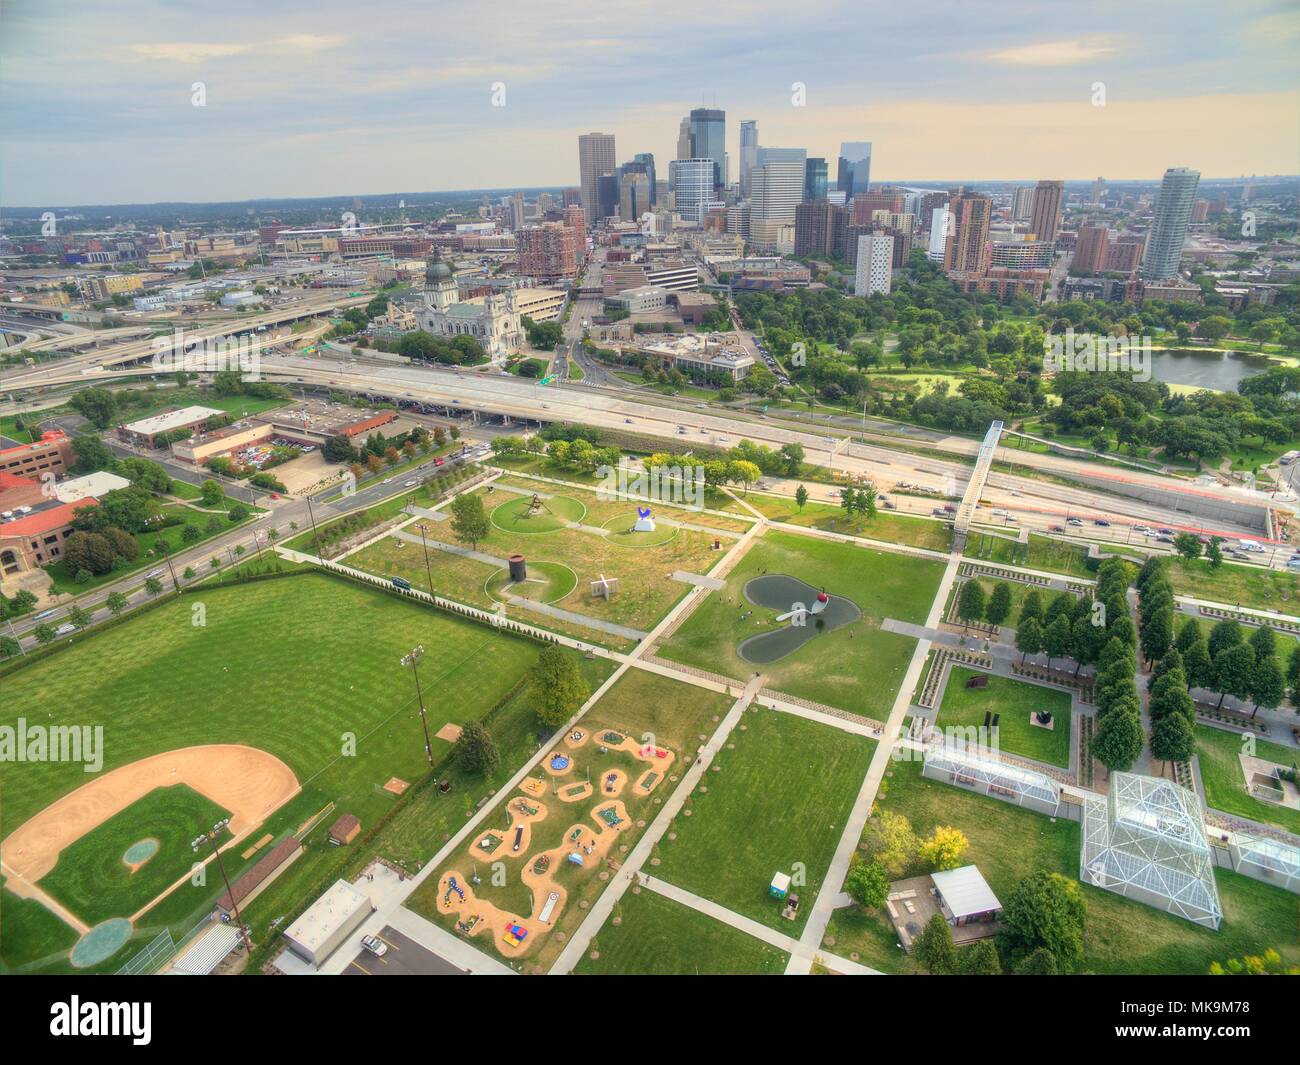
[374,945]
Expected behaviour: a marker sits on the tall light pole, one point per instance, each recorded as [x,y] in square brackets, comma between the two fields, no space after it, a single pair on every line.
[211,837]
[413,660]
[315,536]
[427,572]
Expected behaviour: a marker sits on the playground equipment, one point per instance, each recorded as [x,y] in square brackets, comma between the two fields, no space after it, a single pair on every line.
[519,838]
[559,762]
[515,934]
[536,506]
[610,817]
[548,908]
[525,807]
[610,780]
[644,523]
[542,864]
[575,858]
[453,888]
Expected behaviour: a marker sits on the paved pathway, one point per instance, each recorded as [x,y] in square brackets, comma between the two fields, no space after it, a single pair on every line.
[452,549]
[577,945]
[578,619]
[699,580]
[815,930]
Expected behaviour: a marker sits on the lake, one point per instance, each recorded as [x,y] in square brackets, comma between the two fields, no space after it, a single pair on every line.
[1205,369]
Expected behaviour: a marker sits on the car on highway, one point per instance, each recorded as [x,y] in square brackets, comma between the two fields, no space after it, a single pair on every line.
[374,945]
[1073,521]
[1164,539]
[1056,528]
[1142,528]
[386,480]
[1101,521]
[1165,532]
[627,421]
[410,484]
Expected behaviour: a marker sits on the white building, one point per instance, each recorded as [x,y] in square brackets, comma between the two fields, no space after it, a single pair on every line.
[243,298]
[492,320]
[776,190]
[875,264]
[692,185]
[327,923]
[938,234]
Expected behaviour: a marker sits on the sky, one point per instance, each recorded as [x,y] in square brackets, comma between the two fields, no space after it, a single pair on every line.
[131,101]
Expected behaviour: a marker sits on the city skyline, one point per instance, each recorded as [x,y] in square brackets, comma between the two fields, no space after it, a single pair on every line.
[986,93]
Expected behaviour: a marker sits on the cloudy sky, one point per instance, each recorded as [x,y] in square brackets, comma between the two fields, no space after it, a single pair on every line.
[97,97]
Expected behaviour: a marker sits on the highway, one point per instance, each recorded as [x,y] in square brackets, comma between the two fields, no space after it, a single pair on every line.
[1031,502]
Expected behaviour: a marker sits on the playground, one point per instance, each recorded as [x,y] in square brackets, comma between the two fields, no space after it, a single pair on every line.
[823,664]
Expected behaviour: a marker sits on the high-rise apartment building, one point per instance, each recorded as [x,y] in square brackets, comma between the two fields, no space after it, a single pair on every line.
[517,211]
[816,179]
[1046,217]
[1022,203]
[1173,209]
[595,160]
[709,141]
[865,204]
[547,252]
[1125,253]
[938,234]
[968,234]
[819,228]
[748,152]
[854,173]
[576,219]
[1098,192]
[874,272]
[1090,248]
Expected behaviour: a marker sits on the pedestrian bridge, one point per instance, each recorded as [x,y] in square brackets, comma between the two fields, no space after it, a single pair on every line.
[975,486]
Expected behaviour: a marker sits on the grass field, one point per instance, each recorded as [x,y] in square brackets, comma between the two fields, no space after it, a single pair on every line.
[1236,585]
[676,715]
[1053,556]
[659,937]
[304,667]
[896,528]
[833,667]
[516,515]
[92,879]
[1015,700]
[781,797]
[1225,784]
[1121,935]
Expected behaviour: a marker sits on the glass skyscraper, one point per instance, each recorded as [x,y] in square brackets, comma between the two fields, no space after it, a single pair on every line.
[816,180]
[709,141]
[854,173]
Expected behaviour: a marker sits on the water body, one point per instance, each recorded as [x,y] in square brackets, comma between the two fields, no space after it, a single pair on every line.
[1206,369]
[781,592]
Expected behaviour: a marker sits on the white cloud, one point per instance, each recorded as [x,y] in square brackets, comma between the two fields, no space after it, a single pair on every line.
[1055,53]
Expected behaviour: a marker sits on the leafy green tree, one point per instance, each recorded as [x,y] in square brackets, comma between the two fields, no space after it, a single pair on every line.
[744,473]
[44,633]
[557,685]
[88,551]
[1171,738]
[934,948]
[92,454]
[97,405]
[1040,962]
[211,492]
[979,959]
[469,521]
[1032,607]
[1057,639]
[1188,545]
[1214,553]
[1224,635]
[191,533]
[1045,911]
[1029,638]
[1263,642]
[9,647]
[1234,672]
[78,617]
[1119,739]
[153,586]
[801,497]
[868,883]
[476,750]
[116,603]
[1158,634]
[1293,674]
[970,601]
[1198,666]
[999,607]
[1188,634]
[237,513]
[1267,686]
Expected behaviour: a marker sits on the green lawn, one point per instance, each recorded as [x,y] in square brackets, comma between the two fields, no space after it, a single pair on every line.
[301,667]
[1236,585]
[30,934]
[92,879]
[857,667]
[896,528]
[870,935]
[1042,553]
[1225,784]
[1015,700]
[779,801]
[1121,936]
[659,937]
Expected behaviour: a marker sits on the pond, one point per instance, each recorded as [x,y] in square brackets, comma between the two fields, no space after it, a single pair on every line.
[1205,369]
[782,593]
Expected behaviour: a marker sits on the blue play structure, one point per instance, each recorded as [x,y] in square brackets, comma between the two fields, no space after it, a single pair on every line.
[453,888]
[559,762]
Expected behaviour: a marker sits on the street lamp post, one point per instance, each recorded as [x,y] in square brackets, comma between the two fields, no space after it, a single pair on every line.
[315,536]
[428,573]
[413,660]
[211,837]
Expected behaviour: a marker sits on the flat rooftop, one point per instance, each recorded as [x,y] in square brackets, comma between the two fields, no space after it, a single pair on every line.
[172,419]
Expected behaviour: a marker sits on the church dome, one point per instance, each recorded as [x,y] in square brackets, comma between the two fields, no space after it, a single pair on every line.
[437,270]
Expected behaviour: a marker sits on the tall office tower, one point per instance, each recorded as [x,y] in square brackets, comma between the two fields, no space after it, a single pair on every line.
[748,152]
[874,271]
[938,234]
[647,160]
[816,178]
[967,248]
[819,227]
[854,174]
[777,190]
[684,138]
[572,196]
[595,159]
[1098,192]
[547,252]
[738,220]
[1173,208]
[1022,203]
[576,219]
[607,195]
[633,192]
[517,211]
[1046,219]
[709,141]
[1090,248]
[692,185]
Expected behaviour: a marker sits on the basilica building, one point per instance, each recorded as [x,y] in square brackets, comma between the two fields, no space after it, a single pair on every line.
[493,320]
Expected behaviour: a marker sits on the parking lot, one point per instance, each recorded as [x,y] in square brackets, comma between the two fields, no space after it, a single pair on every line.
[404,957]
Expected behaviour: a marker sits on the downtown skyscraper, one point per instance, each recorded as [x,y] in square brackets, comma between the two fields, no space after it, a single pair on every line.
[1173,210]
[708,128]
[748,153]
[854,173]
[595,160]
